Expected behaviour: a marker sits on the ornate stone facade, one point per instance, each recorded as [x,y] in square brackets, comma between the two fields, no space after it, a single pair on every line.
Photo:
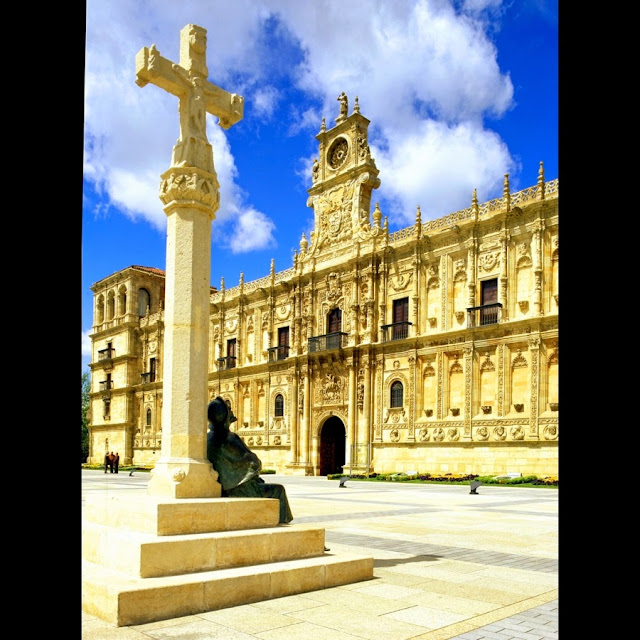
[433,348]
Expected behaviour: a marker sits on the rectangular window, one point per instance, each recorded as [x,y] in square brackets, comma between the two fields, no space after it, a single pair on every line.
[400,319]
[489,291]
[231,353]
[152,370]
[334,321]
[283,343]
[489,296]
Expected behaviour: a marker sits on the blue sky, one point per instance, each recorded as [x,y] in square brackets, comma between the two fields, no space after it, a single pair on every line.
[458,94]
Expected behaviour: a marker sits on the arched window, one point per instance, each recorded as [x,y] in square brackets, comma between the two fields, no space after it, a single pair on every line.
[279,408]
[100,310]
[144,301]
[397,394]
[122,301]
[111,305]
[148,417]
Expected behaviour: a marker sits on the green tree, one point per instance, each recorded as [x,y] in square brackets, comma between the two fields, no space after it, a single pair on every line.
[86,382]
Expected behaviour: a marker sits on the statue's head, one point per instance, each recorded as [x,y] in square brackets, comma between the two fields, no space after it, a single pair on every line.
[193,49]
[219,412]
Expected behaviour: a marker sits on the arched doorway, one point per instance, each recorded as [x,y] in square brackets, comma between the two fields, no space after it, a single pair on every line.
[332,444]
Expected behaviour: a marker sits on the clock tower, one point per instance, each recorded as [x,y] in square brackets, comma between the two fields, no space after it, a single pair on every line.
[343,175]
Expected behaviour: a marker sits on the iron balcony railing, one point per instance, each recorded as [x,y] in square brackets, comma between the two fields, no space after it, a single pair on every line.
[395,331]
[334,340]
[227,363]
[105,385]
[278,353]
[483,315]
[147,376]
[106,354]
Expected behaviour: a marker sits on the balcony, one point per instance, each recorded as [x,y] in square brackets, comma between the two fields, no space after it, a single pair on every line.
[147,377]
[395,331]
[278,353]
[105,385]
[483,315]
[334,340]
[227,363]
[106,354]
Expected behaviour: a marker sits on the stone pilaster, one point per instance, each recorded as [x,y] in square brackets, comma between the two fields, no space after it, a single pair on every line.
[352,409]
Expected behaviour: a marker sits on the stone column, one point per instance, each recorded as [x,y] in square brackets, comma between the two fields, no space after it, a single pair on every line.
[190,193]
[183,470]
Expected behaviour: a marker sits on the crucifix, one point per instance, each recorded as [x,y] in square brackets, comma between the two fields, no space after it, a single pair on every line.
[197,96]
[189,190]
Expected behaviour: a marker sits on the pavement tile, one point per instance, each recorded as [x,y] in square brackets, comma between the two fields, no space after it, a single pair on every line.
[249,619]
[305,631]
[197,630]
[450,603]
[289,604]
[352,621]
[355,601]
[388,591]
[427,617]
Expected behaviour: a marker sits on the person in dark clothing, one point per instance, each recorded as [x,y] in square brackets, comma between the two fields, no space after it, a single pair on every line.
[107,462]
[116,462]
[237,466]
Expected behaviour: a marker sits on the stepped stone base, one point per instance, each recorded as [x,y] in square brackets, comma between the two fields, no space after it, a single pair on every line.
[148,559]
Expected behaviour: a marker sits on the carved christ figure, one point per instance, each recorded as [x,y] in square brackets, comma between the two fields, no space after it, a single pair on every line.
[197,97]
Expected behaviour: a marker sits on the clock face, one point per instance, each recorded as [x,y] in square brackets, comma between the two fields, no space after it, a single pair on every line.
[338,153]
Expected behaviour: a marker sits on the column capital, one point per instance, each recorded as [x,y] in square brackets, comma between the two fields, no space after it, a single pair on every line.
[190,187]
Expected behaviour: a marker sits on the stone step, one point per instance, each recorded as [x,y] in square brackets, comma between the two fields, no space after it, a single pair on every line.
[123,600]
[162,517]
[146,556]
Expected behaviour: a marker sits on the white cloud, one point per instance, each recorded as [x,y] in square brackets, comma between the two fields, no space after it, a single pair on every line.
[438,167]
[253,230]
[265,100]
[86,344]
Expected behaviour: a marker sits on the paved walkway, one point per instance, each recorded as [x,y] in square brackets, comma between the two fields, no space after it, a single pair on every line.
[448,564]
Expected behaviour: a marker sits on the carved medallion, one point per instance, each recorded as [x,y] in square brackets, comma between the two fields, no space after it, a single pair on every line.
[517,433]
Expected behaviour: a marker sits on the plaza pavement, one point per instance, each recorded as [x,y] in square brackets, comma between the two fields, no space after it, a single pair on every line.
[448,564]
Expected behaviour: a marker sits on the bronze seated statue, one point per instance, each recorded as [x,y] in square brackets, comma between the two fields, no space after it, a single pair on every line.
[237,466]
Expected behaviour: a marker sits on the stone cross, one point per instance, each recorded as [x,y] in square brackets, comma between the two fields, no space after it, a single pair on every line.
[197,96]
[189,190]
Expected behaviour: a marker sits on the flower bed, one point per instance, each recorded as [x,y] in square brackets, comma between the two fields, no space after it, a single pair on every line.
[449,478]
